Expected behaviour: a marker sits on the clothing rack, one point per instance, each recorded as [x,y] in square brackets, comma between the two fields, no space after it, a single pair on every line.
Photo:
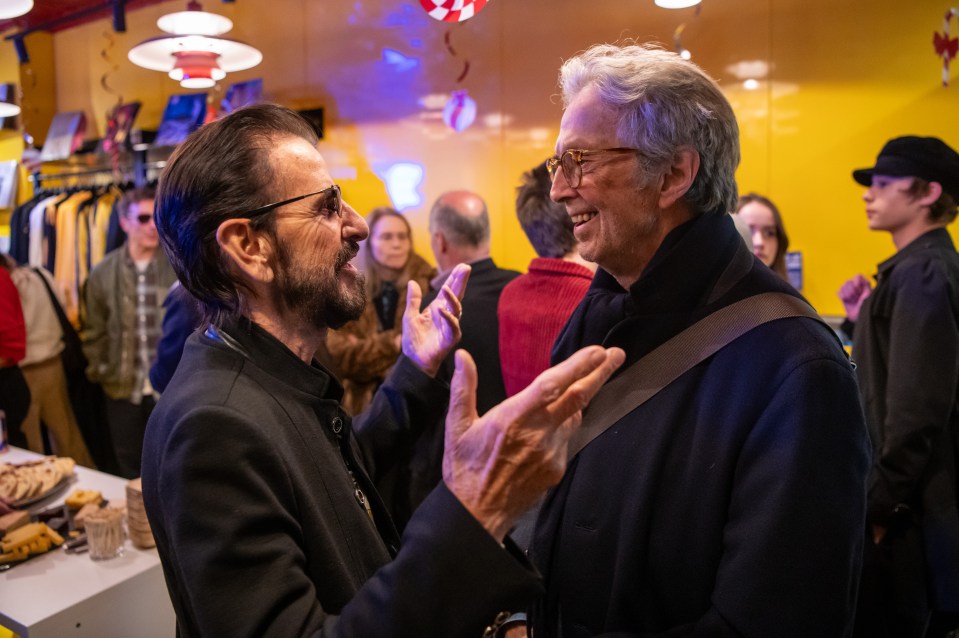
[139,178]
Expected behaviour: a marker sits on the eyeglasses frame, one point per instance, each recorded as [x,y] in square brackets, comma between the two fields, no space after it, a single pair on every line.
[262,210]
[577,155]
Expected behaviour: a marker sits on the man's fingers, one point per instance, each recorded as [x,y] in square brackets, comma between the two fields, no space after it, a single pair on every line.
[551,384]
[462,410]
[578,395]
[458,278]
[456,331]
[414,297]
[452,303]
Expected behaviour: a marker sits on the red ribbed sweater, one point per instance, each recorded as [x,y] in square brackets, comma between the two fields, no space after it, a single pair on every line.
[532,310]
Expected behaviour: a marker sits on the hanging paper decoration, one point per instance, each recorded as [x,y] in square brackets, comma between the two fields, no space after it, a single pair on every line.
[453,10]
[113,150]
[946,47]
[460,111]
[449,47]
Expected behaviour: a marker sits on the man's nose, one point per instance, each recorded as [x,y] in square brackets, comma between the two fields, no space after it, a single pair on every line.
[354,227]
[560,188]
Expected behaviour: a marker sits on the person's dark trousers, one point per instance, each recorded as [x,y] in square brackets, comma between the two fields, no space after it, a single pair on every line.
[128,424]
[893,600]
[15,402]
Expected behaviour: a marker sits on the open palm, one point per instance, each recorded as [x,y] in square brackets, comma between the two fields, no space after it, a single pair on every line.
[430,334]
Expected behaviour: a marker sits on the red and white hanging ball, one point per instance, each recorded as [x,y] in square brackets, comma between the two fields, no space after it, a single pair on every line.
[453,10]
[460,111]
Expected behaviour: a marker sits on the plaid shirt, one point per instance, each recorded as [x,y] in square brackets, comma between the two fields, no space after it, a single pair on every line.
[147,328]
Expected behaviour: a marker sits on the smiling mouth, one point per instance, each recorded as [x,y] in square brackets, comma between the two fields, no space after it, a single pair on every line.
[582,218]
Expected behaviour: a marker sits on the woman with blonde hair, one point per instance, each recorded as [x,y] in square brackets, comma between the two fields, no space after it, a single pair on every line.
[364,350]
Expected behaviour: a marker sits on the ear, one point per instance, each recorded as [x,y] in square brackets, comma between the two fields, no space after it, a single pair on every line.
[249,251]
[679,176]
[932,195]
[124,223]
[439,242]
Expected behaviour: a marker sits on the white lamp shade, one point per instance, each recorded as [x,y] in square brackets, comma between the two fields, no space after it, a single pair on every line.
[676,4]
[198,83]
[14,8]
[159,54]
[194,23]
[9,110]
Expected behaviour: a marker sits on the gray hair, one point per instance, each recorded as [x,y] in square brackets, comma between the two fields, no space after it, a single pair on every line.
[459,229]
[666,103]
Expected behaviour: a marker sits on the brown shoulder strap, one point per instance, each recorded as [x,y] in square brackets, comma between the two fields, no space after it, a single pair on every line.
[644,379]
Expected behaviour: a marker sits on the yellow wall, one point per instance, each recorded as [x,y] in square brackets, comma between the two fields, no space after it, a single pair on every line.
[844,77]
[10,141]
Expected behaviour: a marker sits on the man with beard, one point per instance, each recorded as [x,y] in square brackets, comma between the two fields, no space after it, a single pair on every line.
[257,485]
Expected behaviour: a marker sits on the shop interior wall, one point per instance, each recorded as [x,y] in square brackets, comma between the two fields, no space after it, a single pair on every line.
[840,79]
[10,141]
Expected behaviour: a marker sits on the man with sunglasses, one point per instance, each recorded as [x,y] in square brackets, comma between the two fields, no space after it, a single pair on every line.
[731,502]
[121,315]
[258,485]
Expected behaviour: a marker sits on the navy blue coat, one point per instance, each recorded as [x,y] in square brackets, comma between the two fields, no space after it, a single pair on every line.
[733,502]
[181,318]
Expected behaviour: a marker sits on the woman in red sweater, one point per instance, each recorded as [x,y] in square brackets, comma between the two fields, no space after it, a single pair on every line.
[14,393]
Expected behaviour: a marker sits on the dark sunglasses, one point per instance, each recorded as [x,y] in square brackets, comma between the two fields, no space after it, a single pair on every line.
[333,203]
[144,218]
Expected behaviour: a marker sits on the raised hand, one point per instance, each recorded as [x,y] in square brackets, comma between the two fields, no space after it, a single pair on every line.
[852,294]
[430,335]
[499,464]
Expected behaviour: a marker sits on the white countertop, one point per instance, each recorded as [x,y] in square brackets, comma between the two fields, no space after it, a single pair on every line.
[56,592]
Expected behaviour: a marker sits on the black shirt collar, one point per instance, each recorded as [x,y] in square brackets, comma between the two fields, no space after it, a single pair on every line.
[270,355]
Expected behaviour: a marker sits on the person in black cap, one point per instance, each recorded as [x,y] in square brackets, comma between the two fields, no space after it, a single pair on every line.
[906,342]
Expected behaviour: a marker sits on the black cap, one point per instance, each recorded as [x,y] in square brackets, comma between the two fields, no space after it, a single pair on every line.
[928,158]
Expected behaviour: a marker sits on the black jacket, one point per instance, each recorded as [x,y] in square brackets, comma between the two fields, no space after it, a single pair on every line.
[907,347]
[248,479]
[730,504]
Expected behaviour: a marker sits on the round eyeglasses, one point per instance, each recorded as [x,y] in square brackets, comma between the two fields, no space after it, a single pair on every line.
[572,162]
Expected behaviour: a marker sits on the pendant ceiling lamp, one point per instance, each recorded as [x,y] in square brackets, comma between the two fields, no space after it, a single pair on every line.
[676,4]
[14,8]
[194,54]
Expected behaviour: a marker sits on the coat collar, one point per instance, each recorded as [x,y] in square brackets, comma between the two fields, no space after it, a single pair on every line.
[935,238]
[672,292]
[268,353]
[480,266]
[682,272]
